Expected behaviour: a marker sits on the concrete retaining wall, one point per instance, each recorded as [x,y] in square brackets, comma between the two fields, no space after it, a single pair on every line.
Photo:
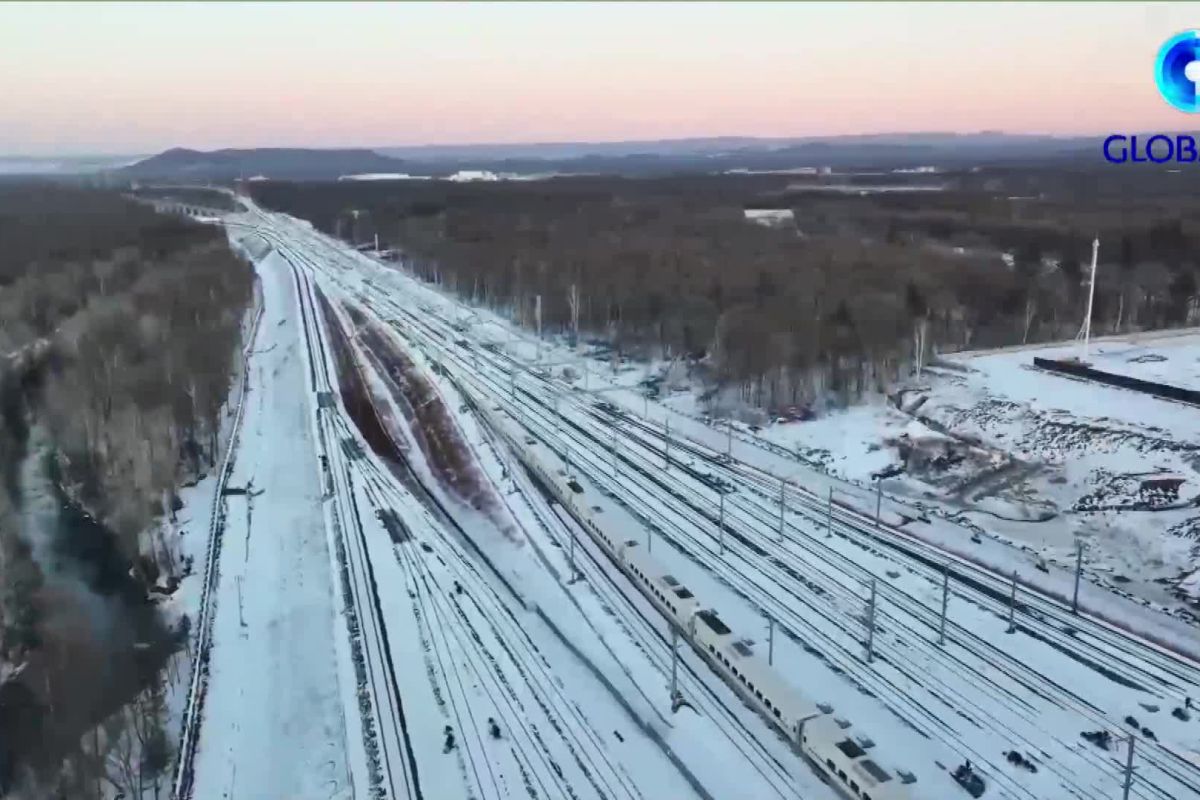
[1163,390]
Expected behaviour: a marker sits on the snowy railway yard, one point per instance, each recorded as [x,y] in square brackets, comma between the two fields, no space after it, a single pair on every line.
[457,592]
[442,623]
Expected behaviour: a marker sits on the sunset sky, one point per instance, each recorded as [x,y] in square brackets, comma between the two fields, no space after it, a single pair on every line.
[97,79]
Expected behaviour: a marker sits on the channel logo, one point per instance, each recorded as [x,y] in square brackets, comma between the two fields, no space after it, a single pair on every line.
[1171,67]
[1170,73]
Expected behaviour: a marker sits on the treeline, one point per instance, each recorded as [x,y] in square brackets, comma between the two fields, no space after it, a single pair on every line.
[119,333]
[140,314]
[202,197]
[839,300]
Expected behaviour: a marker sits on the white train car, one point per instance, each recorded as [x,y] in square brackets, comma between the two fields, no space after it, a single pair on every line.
[673,599]
[756,681]
[824,740]
[846,763]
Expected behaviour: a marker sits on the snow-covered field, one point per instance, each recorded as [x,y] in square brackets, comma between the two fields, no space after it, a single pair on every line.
[985,691]
[1041,460]
[1171,357]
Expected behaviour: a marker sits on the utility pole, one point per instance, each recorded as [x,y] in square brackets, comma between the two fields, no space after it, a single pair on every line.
[871,625]
[729,441]
[567,458]
[1078,572]
[241,619]
[770,641]
[667,445]
[557,418]
[1012,605]
[1086,332]
[878,500]
[674,662]
[945,602]
[721,526]
[829,515]
[537,314]
[572,554]
[1129,768]
[613,451]
[512,383]
[782,506]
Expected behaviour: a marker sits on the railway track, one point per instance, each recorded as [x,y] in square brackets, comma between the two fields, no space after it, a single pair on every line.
[1044,616]
[444,622]
[392,765]
[1095,758]
[198,680]
[193,710]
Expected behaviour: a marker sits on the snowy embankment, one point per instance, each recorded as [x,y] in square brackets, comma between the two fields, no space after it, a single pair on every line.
[270,720]
[192,533]
[274,717]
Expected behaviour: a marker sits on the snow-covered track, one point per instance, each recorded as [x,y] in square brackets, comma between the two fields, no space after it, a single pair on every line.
[762,568]
[193,711]
[501,654]
[391,764]
[536,413]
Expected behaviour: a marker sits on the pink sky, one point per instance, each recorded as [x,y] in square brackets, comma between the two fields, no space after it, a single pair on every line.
[95,78]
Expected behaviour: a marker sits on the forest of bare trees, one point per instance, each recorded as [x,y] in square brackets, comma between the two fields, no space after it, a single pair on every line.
[119,330]
[820,309]
[137,316]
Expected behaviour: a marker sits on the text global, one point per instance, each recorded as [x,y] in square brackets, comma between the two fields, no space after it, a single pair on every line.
[1161,148]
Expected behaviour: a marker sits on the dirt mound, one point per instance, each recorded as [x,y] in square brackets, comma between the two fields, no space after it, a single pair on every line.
[431,423]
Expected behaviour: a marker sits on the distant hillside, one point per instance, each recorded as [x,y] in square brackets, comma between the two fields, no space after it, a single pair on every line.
[275,162]
[721,154]
[61,165]
[633,158]
[714,146]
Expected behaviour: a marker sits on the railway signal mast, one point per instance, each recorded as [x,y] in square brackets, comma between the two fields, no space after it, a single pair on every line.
[1128,769]
[1078,573]
[829,515]
[1012,605]
[674,665]
[945,603]
[667,445]
[871,625]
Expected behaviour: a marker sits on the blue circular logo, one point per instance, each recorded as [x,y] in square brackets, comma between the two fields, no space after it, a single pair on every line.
[1170,70]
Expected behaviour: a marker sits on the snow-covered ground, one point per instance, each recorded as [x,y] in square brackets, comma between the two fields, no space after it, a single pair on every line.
[273,715]
[1035,689]
[1040,460]
[1171,357]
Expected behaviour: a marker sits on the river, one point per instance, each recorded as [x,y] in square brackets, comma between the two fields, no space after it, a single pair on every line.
[101,639]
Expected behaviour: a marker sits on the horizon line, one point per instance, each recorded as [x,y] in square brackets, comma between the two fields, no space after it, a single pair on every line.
[584,142]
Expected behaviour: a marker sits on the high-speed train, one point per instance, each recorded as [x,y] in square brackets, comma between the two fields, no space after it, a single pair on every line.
[841,757]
